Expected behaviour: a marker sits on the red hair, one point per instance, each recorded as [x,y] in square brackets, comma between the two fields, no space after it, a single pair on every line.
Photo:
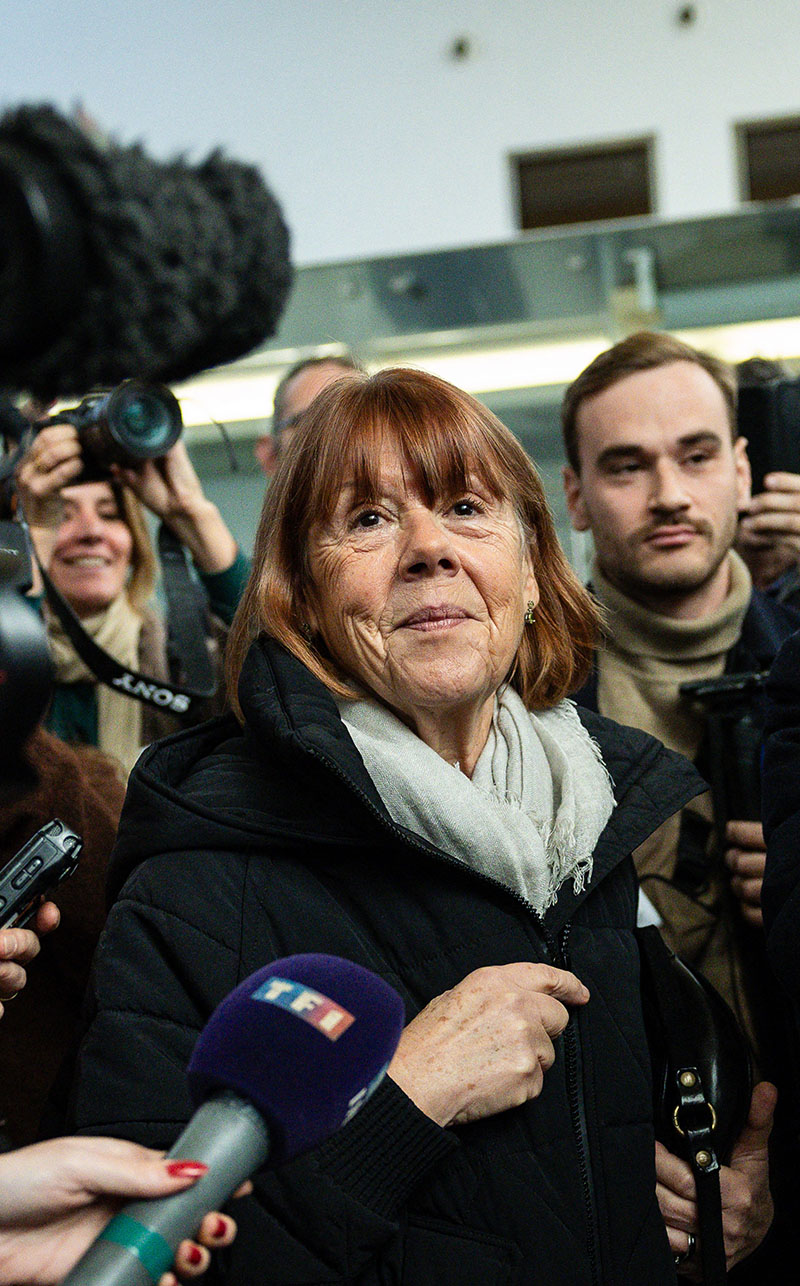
[445,437]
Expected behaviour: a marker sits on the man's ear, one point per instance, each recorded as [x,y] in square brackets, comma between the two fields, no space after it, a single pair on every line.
[265,450]
[574,494]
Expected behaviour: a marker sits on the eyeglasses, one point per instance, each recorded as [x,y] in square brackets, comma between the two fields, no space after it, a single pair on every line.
[288,422]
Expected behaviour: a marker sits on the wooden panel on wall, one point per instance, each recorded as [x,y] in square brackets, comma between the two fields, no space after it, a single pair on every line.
[769,159]
[580,184]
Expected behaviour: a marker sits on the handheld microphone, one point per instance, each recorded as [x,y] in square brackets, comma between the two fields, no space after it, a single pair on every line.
[284,1061]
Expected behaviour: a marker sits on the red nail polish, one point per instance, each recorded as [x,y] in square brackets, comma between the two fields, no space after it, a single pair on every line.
[187,1169]
[194,1254]
[220,1228]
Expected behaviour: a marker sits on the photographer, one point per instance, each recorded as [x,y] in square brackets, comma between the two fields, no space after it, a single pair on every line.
[659,474]
[92,539]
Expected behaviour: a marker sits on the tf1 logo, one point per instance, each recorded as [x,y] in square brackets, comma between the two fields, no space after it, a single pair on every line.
[320,1011]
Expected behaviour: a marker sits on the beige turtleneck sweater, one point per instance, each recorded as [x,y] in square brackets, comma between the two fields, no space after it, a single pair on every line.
[643,660]
[646,657]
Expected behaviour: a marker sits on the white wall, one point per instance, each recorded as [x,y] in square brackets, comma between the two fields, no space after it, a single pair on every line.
[377,142]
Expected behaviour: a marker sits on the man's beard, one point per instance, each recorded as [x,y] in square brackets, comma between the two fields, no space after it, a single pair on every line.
[661,575]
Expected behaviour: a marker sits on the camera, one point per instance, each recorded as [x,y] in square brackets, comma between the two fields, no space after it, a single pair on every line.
[734,720]
[25,666]
[112,265]
[769,417]
[134,422]
[33,873]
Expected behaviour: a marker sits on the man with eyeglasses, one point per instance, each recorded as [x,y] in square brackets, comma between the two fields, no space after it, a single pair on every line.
[294,394]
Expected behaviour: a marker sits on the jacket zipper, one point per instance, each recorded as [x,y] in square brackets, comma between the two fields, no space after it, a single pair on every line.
[558,956]
[578,1115]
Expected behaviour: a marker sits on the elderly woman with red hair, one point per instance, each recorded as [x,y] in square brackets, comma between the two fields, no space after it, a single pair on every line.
[404,783]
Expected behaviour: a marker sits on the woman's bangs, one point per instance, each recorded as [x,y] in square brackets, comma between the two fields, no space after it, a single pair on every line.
[444,454]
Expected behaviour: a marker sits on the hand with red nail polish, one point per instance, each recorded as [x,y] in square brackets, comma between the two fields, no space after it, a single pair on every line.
[186,1169]
[56,1197]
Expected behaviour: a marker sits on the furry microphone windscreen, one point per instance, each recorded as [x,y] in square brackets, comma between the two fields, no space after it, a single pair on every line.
[117,265]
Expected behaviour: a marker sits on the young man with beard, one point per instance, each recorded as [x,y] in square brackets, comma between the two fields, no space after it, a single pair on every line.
[659,476]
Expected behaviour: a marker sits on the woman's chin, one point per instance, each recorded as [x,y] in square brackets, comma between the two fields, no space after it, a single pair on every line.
[442,693]
[89,604]
[446,678]
[86,595]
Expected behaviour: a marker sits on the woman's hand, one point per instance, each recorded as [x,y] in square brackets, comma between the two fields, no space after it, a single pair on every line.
[56,1197]
[52,461]
[19,946]
[485,1045]
[170,488]
[744,1186]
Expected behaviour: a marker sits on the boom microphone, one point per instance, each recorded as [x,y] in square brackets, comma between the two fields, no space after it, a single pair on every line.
[113,264]
[284,1061]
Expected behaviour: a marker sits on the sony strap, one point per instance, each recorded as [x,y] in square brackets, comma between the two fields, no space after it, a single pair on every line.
[186,604]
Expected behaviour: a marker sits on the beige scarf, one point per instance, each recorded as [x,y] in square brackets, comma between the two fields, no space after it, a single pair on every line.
[531,815]
[645,658]
[119,718]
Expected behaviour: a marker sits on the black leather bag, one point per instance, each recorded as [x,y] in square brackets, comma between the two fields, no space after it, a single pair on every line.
[702,1079]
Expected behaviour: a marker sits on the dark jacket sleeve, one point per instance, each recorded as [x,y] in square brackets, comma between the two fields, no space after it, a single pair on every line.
[781,812]
[161,968]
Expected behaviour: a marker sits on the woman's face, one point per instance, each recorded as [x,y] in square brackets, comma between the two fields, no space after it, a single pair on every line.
[422,603]
[92,551]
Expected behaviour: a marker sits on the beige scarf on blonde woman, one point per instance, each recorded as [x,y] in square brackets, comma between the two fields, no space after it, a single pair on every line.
[119,719]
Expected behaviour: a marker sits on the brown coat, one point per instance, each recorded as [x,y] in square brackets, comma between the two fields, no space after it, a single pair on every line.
[80,786]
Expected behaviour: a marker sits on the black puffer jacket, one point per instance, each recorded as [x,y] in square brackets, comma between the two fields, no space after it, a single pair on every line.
[781,778]
[242,847]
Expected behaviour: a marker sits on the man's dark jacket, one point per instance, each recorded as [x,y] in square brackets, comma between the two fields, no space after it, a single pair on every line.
[781,892]
[238,847]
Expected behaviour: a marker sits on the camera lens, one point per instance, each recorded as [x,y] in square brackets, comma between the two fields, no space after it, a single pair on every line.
[145,424]
[143,420]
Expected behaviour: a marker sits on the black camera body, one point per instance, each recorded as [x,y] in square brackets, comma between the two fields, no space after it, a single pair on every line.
[33,873]
[25,665]
[136,421]
[769,417]
[734,721]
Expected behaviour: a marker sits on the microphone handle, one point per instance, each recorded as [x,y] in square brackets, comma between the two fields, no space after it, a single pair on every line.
[231,1137]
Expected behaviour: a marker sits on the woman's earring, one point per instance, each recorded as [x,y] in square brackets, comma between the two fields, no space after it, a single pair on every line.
[307,632]
[529,616]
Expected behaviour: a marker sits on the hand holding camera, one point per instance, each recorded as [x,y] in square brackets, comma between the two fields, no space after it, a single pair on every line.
[170,488]
[54,460]
[769,530]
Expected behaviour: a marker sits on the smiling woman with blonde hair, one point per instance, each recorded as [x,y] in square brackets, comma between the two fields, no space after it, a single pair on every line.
[405,784]
[91,535]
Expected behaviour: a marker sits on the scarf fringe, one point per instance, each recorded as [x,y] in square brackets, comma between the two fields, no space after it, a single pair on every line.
[530,817]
